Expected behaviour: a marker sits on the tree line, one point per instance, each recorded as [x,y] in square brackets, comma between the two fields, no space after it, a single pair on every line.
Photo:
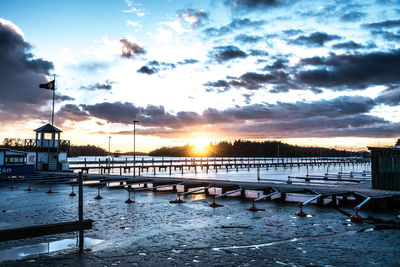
[240,148]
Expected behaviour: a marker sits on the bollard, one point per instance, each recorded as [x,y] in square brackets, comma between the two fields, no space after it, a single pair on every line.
[29,189]
[72,194]
[98,197]
[301,213]
[50,191]
[177,201]
[253,207]
[129,200]
[215,204]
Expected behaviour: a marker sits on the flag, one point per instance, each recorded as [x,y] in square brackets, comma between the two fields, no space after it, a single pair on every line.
[49,85]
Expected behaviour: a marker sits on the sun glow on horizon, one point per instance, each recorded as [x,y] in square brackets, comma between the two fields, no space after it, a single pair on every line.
[200,145]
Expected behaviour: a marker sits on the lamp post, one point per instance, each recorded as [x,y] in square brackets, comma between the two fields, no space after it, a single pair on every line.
[134,148]
[109,145]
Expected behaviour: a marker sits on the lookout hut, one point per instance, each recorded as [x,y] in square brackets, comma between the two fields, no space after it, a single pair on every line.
[385,164]
[49,150]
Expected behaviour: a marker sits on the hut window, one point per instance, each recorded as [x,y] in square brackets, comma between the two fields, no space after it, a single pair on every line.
[47,136]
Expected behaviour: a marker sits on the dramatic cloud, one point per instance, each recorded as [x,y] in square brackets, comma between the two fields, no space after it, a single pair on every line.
[155,66]
[20,74]
[314,39]
[71,112]
[61,98]
[390,97]
[347,45]
[188,61]
[383,24]
[195,18]
[251,39]
[226,53]
[254,3]
[130,49]
[352,71]
[353,16]
[342,116]
[236,24]
[390,36]
[107,85]
[150,116]
[278,64]
[147,70]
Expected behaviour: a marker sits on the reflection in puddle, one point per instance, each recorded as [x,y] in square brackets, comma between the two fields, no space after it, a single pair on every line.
[20,252]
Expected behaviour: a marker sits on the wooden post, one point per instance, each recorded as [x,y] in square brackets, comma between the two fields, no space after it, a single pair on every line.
[80,210]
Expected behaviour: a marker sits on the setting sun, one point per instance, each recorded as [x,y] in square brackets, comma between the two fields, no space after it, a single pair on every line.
[200,145]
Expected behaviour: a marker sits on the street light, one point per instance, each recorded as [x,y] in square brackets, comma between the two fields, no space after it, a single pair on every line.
[134,148]
[109,145]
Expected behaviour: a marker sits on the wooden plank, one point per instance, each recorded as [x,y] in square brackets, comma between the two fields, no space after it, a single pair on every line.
[46,229]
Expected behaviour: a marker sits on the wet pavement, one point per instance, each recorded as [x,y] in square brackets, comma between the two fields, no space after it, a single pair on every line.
[153,232]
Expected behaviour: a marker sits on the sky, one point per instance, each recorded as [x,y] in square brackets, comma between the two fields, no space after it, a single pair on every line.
[315,73]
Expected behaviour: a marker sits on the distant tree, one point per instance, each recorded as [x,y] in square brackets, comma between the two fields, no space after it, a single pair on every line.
[240,148]
[13,142]
[87,150]
[397,143]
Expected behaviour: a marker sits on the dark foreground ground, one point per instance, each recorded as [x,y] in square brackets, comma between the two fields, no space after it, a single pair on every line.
[152,232]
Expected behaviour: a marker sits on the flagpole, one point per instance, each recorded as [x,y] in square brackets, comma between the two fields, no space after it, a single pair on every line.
[52,111]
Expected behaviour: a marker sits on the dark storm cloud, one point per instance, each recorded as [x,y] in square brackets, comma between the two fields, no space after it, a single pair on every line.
[278,64]
[226,53]
[187,61]
[71,112]
[347,45]
[155,66]
[251,39]
[150,116]
[250,81]
[390,97]
[147,70]
[197,17]
[353,16]
[221,85]
[352,71]
[342,116]
[292,32]
[383,24]
[347,126]
[130,49]
[258,53]
[236,24]
[107,85]
[314,39]
[255,81]
[61,98]
[20,74]
[390,36]
[254,3]
[335,108]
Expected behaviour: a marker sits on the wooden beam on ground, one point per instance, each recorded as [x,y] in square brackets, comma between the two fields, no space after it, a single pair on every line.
[46,229]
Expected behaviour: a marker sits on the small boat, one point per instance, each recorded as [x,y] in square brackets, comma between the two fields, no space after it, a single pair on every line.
[14,162]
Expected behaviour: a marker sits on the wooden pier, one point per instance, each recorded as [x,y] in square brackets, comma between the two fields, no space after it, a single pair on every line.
[357,194]
[207,164]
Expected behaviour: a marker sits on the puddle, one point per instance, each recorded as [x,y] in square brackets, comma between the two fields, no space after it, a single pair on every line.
[17,253]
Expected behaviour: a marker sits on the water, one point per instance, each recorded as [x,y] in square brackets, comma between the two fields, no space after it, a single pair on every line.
[278,174]
[20,252]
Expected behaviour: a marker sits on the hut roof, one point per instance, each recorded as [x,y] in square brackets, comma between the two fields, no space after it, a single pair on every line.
[48,128]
